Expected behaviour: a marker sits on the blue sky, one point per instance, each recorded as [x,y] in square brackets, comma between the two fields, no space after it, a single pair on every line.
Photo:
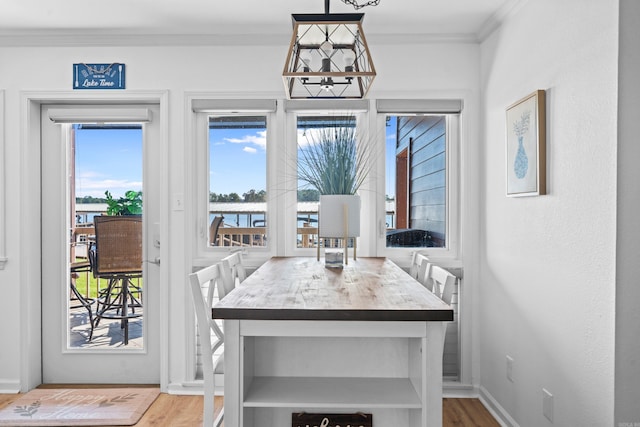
[108,160]
[237,160]
[390,153]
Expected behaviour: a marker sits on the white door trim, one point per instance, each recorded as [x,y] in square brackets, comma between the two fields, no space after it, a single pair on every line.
[30,206]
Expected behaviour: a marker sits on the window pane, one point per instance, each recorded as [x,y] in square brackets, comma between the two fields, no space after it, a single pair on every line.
[416,181]
[237,180]
[313,129]
[105,163]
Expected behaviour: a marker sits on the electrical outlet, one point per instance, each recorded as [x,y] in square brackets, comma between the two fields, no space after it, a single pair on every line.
[547,404]
[510,368]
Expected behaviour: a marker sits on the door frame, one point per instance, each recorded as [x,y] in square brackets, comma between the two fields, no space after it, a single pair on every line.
[30,231]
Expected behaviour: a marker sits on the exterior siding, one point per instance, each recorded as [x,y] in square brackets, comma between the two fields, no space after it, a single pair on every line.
[426,138]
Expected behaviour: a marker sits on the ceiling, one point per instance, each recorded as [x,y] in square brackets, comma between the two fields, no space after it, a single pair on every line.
[244,19]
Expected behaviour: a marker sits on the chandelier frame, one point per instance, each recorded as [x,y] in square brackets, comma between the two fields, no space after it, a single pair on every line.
[345,37]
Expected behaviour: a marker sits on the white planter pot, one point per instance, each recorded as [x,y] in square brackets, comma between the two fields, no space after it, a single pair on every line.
[331,215]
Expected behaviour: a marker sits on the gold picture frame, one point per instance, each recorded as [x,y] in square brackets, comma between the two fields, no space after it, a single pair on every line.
[526,154]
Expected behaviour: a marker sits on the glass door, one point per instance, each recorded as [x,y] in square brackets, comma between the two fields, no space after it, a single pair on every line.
[100,213]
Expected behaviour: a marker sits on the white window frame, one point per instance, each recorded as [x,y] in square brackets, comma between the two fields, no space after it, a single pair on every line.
[452,249]
[282,175]
[203,109]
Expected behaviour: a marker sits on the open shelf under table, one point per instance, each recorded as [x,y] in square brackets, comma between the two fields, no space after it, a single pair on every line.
[364,393]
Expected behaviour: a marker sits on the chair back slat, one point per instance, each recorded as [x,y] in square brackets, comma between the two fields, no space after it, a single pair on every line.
[413,268]
[443,283]
[422,270]
[233,273]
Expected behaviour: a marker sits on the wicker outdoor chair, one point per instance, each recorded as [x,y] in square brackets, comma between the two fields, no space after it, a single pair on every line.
[118,258]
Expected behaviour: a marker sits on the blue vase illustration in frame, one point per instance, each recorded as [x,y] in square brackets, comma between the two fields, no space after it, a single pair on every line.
[521,162]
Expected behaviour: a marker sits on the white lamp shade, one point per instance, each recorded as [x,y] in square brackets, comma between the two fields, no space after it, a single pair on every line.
[331,218]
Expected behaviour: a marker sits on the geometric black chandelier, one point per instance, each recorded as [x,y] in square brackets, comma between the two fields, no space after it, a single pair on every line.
[328,56]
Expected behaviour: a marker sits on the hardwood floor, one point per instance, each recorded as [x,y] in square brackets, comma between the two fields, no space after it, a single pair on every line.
[186,411]
[466,412]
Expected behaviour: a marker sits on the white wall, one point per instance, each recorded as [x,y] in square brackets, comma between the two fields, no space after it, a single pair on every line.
[627,394]
[547,272]
[429,70]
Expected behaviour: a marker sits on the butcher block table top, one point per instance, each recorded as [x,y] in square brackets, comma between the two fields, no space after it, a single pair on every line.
[302,288]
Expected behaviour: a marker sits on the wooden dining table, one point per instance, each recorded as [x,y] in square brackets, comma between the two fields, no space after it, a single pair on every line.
[301,337]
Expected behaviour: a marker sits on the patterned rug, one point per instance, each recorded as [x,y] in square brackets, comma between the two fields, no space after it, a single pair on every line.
[79,407]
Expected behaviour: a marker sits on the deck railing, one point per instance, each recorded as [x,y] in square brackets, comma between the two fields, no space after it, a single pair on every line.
[245,213]
[257,236]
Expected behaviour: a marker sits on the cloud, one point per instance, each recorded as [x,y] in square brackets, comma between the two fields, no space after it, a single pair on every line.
[250,150]
[259,139]
[307,136]
[93,184]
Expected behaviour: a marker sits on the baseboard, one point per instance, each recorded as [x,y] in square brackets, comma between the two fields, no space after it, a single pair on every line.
[457,390]
[194,387]
[9,387]
[498,412]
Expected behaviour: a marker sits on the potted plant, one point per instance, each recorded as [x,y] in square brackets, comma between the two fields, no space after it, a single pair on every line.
[130,204]
[331,163]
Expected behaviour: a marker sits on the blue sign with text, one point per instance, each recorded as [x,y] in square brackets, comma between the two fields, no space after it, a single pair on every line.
[98,76]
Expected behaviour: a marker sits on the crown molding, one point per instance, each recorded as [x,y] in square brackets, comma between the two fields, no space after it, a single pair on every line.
[423,38]
[68,39]
[100,39]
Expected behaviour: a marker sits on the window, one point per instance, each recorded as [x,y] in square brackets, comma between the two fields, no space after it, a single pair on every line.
[421,175]
[228,184]
[409,200]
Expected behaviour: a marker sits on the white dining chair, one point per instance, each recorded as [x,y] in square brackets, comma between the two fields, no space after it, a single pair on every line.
[204,282]
[443,283]
[233,273]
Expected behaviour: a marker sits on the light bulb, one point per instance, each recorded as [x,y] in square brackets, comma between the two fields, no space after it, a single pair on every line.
[349,58]
[327,48]
[305,57]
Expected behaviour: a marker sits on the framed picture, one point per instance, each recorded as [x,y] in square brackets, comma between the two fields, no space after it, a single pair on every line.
[526,146]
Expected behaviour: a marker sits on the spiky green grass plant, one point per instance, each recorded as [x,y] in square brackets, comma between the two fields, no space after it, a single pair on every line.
[330,161]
